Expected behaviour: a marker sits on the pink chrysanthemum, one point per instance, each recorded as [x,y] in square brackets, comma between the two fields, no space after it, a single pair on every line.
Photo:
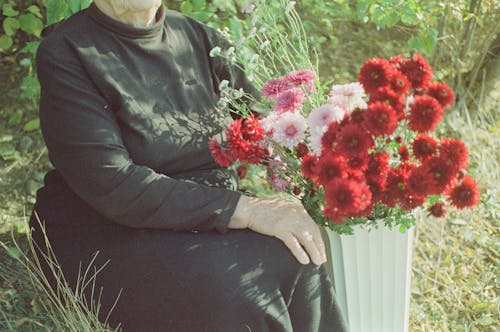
[322,116]
[290,100]
[304,77]
[275,87]
[289,129]
[278,183]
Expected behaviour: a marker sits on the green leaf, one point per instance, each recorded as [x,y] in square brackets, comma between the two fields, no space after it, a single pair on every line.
[225,5]
[32,125]
[14,252]
[74,5]
[5,42]
[186,7]
[56,11]
[10,25]
[199,5]
[9,153]
[35,10]
[202,16]
[85,3]
[29,23]
[6,138]
[8,10]
[424,42]
[31,47]
[15,118]
[30,87]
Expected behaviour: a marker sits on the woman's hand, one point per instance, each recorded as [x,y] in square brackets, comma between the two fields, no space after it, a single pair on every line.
[286,220]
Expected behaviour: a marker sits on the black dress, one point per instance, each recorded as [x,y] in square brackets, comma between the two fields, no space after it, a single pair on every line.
[126,114]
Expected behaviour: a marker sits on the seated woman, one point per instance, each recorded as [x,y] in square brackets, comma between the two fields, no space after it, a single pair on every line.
[127,106]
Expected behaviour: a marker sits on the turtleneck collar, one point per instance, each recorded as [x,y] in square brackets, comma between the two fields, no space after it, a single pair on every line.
[125,29]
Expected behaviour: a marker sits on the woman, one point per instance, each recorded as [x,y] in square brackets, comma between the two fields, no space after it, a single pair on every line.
[127,106]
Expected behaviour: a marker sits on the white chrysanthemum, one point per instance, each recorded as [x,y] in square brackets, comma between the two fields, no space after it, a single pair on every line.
[348,96]
[315,140]
[268,122]
[289,129]
[320,117]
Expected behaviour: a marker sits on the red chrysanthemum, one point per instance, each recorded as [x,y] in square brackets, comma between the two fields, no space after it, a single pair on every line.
[219,155]
[251,129]
[345,197]
[396,61]
[399,83]
[395,188]
[417,70]
[357,163]
[301,150]
[441,173]
[465,194]
[442,92]
[290,100]
[240,148]
[329,137]
[375,73]
[242,171]
[454,152]
[424,147]
[420,182]
[330,167]
[275,87]
[389,97]
[425,114]
[304,77]
[437,210]
[353,140]
[357,116]
[377,187]
[409,201]
[308,166]
[380,119]
[378,165]
[404,155]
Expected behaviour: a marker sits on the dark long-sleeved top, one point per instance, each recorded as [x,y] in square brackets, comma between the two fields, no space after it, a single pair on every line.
[126,114]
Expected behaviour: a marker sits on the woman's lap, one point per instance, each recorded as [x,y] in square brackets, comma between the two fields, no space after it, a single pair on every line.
[182,281]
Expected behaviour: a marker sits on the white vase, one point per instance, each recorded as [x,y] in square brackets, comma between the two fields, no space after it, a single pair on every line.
[372,271]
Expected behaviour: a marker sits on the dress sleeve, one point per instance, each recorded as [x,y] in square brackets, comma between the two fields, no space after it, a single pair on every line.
[85,144]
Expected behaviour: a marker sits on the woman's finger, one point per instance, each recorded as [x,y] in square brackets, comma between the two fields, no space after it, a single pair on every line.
[293,244]
[307,241]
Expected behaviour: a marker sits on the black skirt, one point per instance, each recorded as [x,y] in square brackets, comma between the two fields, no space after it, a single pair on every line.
[186,281]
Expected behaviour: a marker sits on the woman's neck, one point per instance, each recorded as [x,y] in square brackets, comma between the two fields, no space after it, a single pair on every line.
[140,16]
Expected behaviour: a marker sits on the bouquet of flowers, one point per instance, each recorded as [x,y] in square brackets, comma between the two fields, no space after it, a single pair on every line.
[367,153]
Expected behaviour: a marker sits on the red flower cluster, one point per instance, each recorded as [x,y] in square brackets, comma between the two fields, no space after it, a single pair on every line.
[390,81]
[381,154]
[245,139]
[354,170]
